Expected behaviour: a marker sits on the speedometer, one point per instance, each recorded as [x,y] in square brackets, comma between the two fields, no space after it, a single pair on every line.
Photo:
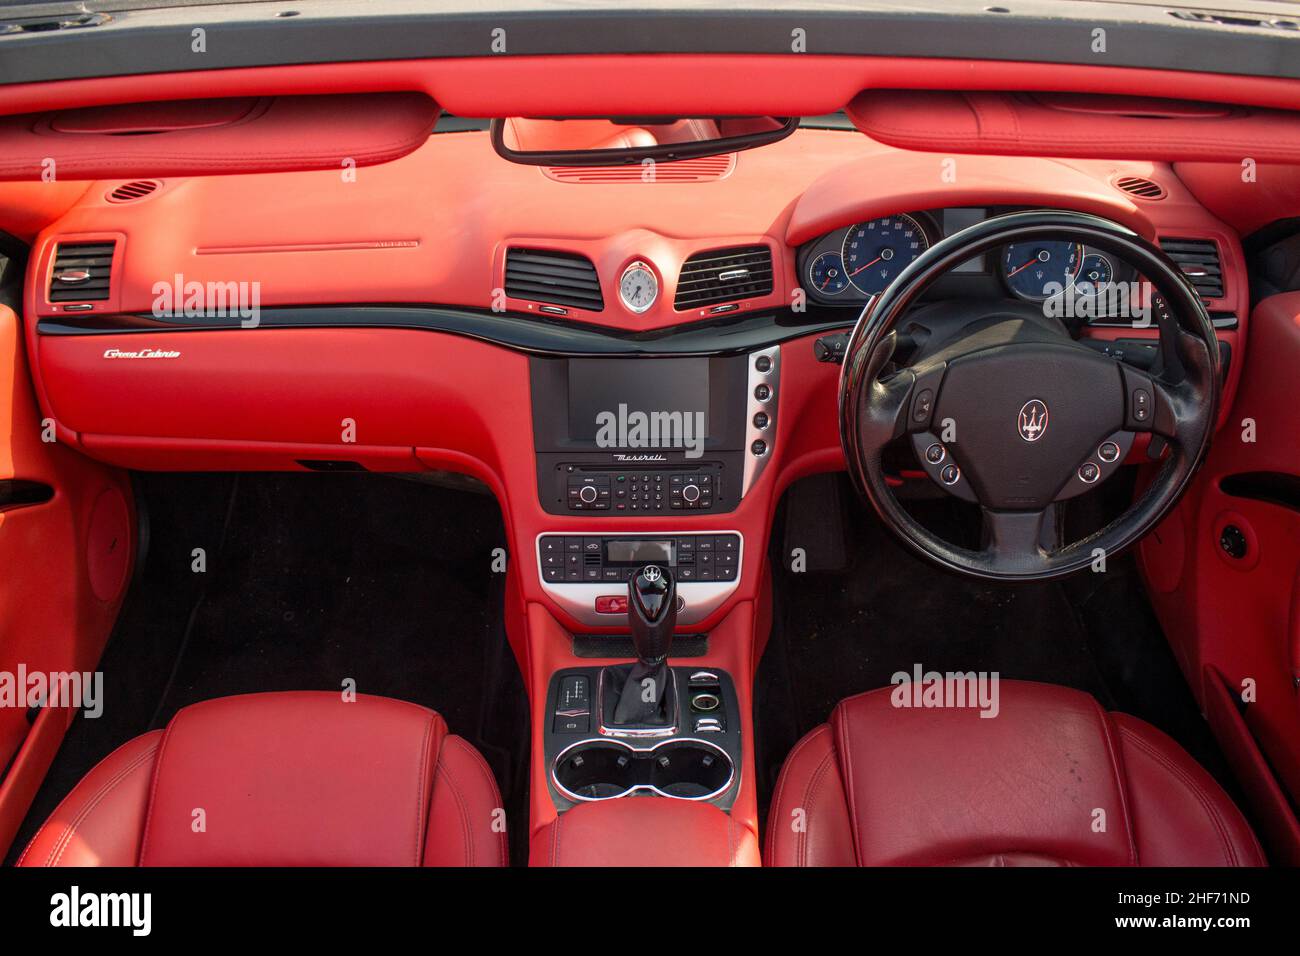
[875,252]
[1040,270]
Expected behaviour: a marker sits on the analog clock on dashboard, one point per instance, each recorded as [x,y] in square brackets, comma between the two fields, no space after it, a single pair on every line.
[638,288]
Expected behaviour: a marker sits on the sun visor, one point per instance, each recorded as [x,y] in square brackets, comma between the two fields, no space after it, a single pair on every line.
[215,136]
[1076,125]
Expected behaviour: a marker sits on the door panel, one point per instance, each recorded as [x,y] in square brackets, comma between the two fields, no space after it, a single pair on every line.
[66,547]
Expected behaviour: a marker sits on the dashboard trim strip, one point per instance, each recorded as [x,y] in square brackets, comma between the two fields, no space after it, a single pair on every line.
[522,333]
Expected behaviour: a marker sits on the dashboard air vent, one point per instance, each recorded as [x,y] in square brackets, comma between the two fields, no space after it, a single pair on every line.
[704,169]
[558,278]
[81,271]
[724,275]
[1199,260]
[130,192]
[1140,187]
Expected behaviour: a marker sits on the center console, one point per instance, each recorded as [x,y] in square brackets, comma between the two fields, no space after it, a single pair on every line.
[695,757]
[643,728]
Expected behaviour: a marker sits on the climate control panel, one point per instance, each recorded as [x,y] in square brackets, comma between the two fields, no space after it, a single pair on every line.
[587,574]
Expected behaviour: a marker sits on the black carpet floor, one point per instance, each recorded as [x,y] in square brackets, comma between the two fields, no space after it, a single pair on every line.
[311,580]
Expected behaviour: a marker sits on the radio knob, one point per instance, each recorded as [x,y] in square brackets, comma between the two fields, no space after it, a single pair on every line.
[691,493]
[587,493]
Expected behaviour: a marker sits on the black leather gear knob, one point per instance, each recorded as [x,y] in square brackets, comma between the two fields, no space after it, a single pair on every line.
[652,612]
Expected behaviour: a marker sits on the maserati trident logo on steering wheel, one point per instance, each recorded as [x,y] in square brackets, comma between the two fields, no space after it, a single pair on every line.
[1032,422]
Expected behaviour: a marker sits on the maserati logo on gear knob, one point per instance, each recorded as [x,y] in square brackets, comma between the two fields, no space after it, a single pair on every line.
[1032,422]
[651,573]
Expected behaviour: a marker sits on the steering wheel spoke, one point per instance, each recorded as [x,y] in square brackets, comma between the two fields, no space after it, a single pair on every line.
[1017,537]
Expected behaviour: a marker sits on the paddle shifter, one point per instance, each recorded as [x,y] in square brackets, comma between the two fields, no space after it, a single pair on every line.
[645,695]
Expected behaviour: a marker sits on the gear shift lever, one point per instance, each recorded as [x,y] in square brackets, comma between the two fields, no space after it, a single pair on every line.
[646,697]
[652,612]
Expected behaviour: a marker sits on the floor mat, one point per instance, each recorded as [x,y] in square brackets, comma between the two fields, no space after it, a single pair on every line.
[312,580]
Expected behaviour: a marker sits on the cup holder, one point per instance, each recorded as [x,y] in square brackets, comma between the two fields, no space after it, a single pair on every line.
[606,769]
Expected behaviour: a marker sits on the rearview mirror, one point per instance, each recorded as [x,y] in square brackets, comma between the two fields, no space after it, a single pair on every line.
[622,141]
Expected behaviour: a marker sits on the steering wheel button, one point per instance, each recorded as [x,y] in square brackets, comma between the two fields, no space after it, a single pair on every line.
[1089,472]
[935,453]
[1108,451]
[1141,405]
[950,474]
[923,405]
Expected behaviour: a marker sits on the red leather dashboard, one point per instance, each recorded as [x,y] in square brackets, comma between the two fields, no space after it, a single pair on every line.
[432,228]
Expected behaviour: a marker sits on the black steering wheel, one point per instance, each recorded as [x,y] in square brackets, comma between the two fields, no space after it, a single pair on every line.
[1012,413]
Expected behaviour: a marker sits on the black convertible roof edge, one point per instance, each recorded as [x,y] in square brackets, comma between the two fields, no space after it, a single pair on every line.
[140,36]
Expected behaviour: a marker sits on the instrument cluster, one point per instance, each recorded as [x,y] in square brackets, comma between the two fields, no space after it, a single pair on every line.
[850,265]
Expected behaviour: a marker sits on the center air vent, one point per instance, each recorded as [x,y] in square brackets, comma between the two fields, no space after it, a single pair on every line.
[81,271]
[724,275]
[558,278]
[1199,260]
[130,192]
[1140,187]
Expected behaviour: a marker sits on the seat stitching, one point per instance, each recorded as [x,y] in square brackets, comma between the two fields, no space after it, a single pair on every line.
[1121,778]
[810,795]
[1201,795]
[783,778]
[482,764]
[464,814]
[555,842]
[65,838]
[157,775]
[421,811]
[846,755]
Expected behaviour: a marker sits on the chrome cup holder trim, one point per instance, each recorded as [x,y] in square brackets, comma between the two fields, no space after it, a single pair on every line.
[643,787]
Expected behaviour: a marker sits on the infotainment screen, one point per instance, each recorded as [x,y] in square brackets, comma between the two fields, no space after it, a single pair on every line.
[615,393]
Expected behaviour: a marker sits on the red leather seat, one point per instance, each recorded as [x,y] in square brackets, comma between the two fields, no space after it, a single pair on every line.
[1051,780]
[286,779]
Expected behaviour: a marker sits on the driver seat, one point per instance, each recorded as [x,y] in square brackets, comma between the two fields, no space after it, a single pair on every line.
[1051,780]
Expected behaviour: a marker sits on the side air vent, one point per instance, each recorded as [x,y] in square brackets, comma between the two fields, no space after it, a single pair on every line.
[130,192]
[81,271]
[1140,187]
[724,275]
[1199,260]
[558,278]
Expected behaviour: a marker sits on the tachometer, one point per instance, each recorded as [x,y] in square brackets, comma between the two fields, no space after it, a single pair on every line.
[827,274]
[1095,275]
[1041,270]
[875,252]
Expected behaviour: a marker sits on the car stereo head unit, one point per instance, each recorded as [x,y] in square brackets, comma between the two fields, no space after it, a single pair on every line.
[651,436]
